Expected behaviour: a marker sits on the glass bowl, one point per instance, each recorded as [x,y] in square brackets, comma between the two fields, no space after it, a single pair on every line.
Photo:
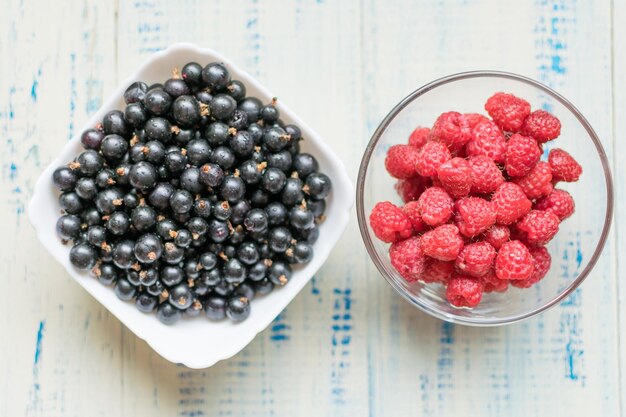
[575,249]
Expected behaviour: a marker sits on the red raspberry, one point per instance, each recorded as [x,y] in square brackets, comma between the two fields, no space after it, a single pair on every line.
[401,161]
[411,189]
[474,215]
[508,111]
[419,136]
[485,174]
[541,262]
[408,259]
[455,177]
[412,211]
[459,153]
[542,126]
[474,118]
[510,203]
[559,202]
[491,283]
[431,155]
[451,129]
[539,227]
[564,166]
[476,259]
[522,154]
[514,261]
[389,223]
[464,291]
[435,206]
[443,243]
[538,182]
[497,235]
[488,140]
[517,234]
[437,271]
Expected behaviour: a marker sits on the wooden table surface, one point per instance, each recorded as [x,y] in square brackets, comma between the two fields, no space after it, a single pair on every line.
[347,345]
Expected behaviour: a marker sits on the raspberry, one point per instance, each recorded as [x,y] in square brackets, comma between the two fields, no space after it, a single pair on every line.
[510,203]
[474,215]
[408,259]
[559,202]
[541,262]
[508,111]
[437,271]
[538,182]
[517,234]
[476,259]
[451,129]
[485,174]
[522,154]
[443,243]
[419,136]
[497,235]
[474,118]
[411,189]
[464,291]
[542,126]
[411,209]
[539,227]
[431,155]
[514,261]
[435,206]
[455,177]
[459,153]
[564,166]
[389,223]
[488,173]
[488,140]
[401,161]
[491,283]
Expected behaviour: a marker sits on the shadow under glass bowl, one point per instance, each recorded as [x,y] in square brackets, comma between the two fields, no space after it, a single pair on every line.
[575,249]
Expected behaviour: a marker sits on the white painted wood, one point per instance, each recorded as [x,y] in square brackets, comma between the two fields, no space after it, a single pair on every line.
[619,148]
[347,345]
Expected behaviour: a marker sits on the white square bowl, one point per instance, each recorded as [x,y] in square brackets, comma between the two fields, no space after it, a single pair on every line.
[196,342]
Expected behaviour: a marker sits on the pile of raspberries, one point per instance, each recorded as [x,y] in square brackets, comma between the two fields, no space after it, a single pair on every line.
[479,203]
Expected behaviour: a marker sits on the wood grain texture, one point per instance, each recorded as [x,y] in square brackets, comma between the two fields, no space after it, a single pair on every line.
[619,157]
[347,345]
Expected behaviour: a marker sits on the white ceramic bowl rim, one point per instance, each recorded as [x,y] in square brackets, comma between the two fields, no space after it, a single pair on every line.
[362,217]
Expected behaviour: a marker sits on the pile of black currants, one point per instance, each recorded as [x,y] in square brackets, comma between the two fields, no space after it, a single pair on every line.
[194,198]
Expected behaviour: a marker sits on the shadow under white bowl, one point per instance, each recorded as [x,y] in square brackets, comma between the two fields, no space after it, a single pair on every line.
[196,342]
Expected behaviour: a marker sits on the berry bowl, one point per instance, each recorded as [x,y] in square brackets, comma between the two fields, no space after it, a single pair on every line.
[576,247]
[194,341]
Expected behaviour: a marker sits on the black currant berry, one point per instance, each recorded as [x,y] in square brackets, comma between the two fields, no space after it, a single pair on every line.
[83,256]
[92,138]
[148,248]
[124,290]
[114,123]
[157,101]
[176,87]
[238,308]
[192,74]
[64,178]
[146,303]
[215,307]
[136,92]
[68,227]
[168,314]
[216,76]
[186,111]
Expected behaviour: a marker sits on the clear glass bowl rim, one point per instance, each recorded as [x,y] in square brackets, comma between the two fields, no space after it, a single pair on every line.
[362,217]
